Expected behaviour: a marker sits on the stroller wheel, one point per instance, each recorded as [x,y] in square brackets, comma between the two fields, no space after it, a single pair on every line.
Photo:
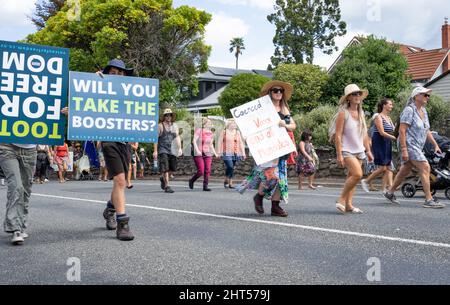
[408,190]
[447,193]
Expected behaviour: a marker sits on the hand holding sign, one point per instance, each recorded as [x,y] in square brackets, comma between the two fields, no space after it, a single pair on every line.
[33,88]
[113,108]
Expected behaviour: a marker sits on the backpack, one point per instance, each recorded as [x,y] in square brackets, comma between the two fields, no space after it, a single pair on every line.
[332,128]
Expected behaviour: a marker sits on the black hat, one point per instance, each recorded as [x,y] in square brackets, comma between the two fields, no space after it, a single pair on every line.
[119,64]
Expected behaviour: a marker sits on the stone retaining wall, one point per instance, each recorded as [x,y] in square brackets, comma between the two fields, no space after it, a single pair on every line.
[327,168]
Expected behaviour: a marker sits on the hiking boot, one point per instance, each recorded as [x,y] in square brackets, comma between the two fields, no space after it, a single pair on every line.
[169,190]
[123,230]
[433,204]
[109,215]
[258,200]
[391,198]
[163,184]
[17,238]
[277,210]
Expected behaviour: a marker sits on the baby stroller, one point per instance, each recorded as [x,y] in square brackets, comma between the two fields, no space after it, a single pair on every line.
[439,174]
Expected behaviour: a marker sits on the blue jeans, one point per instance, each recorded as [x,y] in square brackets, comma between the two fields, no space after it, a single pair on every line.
[229,167]
[18,164]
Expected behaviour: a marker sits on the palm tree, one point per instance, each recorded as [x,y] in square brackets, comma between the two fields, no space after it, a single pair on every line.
[237,45]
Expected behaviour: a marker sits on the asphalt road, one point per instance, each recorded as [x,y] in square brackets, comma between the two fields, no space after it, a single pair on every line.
[195,237]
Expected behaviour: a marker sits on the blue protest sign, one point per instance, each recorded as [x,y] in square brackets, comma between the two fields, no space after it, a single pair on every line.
[33,89]
[113,108]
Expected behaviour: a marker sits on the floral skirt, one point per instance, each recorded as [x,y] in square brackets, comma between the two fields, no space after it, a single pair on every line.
[272,178]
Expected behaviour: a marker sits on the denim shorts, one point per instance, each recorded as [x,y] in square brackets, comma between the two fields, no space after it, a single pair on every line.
[359,156]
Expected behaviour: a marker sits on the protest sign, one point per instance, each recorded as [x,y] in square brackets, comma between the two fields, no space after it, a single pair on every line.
[258,122]
[255,116]
[33,89]
[113,108]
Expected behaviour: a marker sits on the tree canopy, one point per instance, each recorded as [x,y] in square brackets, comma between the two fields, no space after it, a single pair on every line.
[302,26]
[307,80]
[236,46]
[243,88]
[151,36]
[376,65]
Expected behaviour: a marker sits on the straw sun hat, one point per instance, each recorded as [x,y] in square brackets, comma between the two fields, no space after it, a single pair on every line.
[353,89]
[275,83]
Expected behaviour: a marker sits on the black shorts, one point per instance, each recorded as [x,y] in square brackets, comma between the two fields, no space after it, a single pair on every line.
[116,158]
[167,163]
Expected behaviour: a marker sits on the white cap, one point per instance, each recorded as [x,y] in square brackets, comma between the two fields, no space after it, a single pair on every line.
[420,90]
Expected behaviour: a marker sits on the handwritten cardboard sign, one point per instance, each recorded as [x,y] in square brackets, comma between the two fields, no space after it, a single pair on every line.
[258,122]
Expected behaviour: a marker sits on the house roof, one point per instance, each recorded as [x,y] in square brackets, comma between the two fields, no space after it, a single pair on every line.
[406,49]
[423,65]
[437,78]
[225,74]
[210,101]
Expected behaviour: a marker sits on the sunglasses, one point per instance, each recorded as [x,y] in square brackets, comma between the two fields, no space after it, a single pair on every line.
[277,90]
[357,93]
[168,114]
[426,95]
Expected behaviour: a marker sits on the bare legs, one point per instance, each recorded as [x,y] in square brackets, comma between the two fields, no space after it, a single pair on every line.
[355,174]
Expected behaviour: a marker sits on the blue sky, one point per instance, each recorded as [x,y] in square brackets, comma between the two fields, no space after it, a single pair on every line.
[414,22]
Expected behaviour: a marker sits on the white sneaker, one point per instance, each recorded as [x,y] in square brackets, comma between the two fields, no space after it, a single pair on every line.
[46,180]
[365,186]
[17,238]
[2,182]
[24,235]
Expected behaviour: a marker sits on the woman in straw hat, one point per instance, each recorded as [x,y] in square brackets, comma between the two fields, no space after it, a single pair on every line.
[231,148]
[352,144]
[271,180]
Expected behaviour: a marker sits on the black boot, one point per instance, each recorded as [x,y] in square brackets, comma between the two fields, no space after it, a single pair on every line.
[110,217]
[258,200]
[277,210]
[191,183]
[123,230]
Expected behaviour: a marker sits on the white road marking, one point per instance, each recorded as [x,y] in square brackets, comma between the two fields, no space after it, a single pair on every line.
[289,225]
[377,196]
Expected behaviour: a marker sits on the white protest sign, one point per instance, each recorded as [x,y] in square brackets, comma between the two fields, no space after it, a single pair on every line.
[258,122]
[255,116]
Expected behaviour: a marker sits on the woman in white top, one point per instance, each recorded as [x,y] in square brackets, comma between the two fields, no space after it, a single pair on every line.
[352,143]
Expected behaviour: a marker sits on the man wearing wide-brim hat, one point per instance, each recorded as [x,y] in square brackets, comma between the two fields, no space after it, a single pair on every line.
[168,148]
[117,67]
[116,160]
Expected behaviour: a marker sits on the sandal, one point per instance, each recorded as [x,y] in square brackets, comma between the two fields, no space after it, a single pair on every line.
[340,208]
[355,211]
